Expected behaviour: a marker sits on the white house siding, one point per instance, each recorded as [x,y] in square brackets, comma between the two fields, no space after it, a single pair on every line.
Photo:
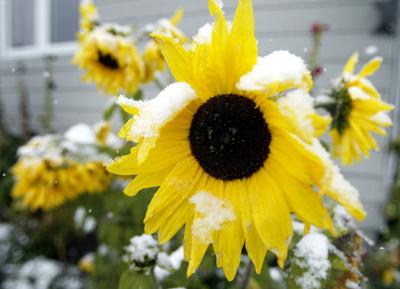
[280,24]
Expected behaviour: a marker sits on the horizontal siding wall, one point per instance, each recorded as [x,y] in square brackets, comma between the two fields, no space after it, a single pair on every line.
[280,24]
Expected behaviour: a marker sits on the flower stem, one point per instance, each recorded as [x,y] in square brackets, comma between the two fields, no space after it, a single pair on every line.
[154,279]
[246,278]
[49,86]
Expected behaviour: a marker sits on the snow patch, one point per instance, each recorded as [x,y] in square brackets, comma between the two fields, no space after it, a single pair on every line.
[154,113]
[166,264]
[371,50]
[381,118]
[81,133]
[357,93]
[276,275]
[297,105]
[277,67]
[214,213]
[203,36]
[39,271]
[141,252]
[312,252]
[334,181]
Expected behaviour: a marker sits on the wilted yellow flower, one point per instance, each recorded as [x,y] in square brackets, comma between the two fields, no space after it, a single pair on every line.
[51,170]
[228,162]
[357,110]
[152,56]
[110,59]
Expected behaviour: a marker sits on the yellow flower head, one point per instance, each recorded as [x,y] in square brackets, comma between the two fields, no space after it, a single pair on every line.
[228,163]
[357,111]
[51,170]
[110,59]
[152,56]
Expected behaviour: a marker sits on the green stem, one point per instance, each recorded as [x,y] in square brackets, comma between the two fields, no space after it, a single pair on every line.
[246,278]
[159,83]
[154,279]
[23,101]
[3,130]
[314,54]
[48,110]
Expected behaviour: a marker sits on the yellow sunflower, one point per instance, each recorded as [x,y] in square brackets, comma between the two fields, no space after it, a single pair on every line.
[152,56]
[110,59]
[357,110]
[227,162]
[46,177]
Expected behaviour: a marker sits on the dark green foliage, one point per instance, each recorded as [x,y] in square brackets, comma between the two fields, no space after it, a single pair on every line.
[8,149]
[340,109]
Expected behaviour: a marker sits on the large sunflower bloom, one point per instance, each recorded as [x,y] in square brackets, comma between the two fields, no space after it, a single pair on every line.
[228,165]
[110,59]
[357,110]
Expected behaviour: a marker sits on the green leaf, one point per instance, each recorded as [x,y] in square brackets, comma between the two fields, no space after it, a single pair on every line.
[135,280]
[108,113]
[138,95]
[124,116]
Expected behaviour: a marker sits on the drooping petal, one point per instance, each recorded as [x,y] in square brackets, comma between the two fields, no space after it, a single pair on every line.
[302,199]
[144,181]
[336,186]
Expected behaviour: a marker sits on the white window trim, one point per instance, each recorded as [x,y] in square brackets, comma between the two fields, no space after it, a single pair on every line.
[42,45]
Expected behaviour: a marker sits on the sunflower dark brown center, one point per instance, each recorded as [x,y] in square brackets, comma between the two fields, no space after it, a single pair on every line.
[108,61]
[229,137]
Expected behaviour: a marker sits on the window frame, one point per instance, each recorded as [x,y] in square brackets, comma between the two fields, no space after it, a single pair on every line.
[42,34]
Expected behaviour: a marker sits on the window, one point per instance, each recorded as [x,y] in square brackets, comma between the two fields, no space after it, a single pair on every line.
[38,27]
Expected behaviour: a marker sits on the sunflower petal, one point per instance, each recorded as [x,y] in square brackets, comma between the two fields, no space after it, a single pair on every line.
[144,181]
[125,165]
[177,17]
[177,57]
[369,68]
[242,40]
[270,213]
[302,199]
[351,64]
